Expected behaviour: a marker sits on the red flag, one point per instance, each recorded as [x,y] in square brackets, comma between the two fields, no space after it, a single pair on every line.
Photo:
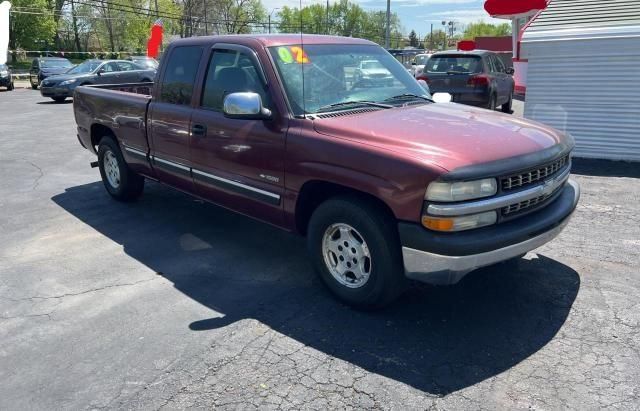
[154,42]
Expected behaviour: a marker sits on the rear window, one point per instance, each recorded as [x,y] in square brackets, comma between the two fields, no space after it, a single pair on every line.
[454,64]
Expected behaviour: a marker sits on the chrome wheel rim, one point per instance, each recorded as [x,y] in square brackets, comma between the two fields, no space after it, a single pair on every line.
[111,169]
[346,255]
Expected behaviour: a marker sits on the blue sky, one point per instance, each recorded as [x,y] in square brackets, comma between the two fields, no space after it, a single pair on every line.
[415,14]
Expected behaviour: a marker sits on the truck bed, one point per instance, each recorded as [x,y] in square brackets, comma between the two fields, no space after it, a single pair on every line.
[121,108]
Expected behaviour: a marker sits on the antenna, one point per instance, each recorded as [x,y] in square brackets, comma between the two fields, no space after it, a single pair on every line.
[304,103]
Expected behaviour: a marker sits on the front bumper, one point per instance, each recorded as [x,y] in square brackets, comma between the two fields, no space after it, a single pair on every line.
[56,92]
[5,81]
[445,258]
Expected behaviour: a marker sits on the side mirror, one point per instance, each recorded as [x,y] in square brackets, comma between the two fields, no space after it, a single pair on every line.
[245,105]
[510,70]
[100,71]
[442,98]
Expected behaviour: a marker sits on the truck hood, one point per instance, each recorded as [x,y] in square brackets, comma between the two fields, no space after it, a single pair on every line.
[450,136]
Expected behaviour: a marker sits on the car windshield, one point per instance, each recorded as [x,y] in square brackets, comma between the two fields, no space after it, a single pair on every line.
[421,60]
[86,67]
[55,63]
[453,63]
[333,74]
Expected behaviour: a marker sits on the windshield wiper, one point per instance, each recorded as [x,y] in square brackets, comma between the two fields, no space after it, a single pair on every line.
[407,96]
[356,103]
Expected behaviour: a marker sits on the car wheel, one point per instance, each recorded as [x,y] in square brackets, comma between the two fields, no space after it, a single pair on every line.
[58,99]
[507,107]
[34,86]
[493,102]
[10,87]
[121,183]
[355,248]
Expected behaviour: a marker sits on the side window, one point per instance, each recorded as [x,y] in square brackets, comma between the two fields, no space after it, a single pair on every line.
[124,66]
[180,75]
[499,64]
[490,64]
[109,68]
[229,72]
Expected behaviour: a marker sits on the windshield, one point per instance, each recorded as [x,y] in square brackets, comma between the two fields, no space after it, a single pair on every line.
[462,64]
[334,74]
[55,63]
[86,67]
[421,59]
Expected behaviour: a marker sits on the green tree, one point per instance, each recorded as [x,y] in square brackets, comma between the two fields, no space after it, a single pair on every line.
[31,31]
[413,39]
[482,29]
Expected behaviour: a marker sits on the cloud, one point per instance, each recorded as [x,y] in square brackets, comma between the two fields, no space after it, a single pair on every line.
[462,16]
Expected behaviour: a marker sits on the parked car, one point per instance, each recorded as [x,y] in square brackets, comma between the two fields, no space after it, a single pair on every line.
[144,61]
[385,184]
[417,64]
[43,67]
[6,78]
[94,72]
[371,73]
[477,78]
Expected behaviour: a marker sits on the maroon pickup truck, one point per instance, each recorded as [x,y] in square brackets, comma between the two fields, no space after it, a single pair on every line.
[384,183]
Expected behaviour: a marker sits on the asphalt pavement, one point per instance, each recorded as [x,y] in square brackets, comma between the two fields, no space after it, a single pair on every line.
[170,302]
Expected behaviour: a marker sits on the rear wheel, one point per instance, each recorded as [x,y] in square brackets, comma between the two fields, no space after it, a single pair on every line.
[121,183]
[355,249]
[507,107]
[10,87]
[34,86]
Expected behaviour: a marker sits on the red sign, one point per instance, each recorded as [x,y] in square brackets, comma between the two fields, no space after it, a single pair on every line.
[466,45]
[512,7]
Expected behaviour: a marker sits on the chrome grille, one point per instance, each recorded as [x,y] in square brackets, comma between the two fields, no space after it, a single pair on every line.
[533,176]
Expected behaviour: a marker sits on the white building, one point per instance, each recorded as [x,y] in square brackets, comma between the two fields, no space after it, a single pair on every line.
[584,74]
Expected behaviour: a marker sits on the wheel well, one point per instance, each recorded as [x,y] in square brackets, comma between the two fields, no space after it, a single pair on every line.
[97,132]
[313,193]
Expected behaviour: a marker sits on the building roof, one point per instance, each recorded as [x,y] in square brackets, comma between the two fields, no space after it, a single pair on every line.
[570,14]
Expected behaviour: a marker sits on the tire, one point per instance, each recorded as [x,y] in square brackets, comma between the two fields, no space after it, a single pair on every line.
[121,183]
[342,225]
[493,102]
[10,87]
[58,99]
[34,86]
[507,107]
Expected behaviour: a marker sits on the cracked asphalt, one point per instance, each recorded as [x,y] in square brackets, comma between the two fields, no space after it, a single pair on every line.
[173,303]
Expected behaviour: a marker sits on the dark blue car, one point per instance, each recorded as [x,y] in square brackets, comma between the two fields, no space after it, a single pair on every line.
[43,67]
[477,78]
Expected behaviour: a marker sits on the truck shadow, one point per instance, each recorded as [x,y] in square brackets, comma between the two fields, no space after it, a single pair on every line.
[436,339]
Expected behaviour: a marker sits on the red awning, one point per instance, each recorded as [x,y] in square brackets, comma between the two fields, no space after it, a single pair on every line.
[512,7]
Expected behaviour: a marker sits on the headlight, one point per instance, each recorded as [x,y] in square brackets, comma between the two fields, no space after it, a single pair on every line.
[67,82]
[460,191]
[467,222]
[4,73]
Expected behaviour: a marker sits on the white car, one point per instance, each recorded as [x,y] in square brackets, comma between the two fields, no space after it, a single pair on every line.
[418,63]
[371,73]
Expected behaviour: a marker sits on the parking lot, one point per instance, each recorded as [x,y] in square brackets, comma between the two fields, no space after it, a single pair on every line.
[170,302]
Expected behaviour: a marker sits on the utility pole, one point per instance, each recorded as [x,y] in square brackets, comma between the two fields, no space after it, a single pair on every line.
[431,39]
[269,20]
[157,12]
[327,23]
[204,10]
[387,34]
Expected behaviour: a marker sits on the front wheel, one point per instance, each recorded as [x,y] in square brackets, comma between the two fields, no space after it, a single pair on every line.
[355,248]
[34,86]
[121,183]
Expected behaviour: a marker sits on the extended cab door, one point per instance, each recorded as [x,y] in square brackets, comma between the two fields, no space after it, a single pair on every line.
[169,117]
[238,163]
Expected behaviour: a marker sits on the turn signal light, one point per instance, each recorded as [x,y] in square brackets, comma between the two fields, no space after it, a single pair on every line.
[437,224]
[460,223]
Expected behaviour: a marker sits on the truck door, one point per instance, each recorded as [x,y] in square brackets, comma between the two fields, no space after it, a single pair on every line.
[237,163]
[170,115]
